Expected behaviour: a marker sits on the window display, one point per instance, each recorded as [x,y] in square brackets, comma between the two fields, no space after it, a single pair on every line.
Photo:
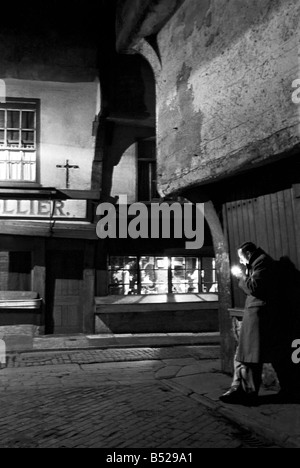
[161,275]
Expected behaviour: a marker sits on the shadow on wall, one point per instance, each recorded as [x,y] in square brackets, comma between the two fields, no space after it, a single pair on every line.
[193,321]
[291,296]
[288,325]
[212,17]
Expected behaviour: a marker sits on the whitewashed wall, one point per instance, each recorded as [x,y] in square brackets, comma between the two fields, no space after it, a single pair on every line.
[67,114]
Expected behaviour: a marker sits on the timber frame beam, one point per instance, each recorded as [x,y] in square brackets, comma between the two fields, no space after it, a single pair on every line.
[137,19]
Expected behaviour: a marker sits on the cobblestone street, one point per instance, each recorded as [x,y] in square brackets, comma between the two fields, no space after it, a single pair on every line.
[121,401]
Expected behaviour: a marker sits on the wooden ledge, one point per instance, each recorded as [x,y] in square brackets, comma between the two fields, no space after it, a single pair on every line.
[237,312]
[21,300]
[156,303]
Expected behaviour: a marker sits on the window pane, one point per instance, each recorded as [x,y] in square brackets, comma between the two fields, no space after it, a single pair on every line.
[28,138]
[192,263]
[148,274]
[154,281]
[192,277]
[116,263]
[178,276]
[115,277]
[28,120]
[16,167]
[133,282]
[3,169]
[162,288]
[210,287]
[123,276]
[208,263]
[130,263]
[13,137]
[29,168]
[179,283]
[162,263]
[178,263]
[208,276]
[151,276]
[161,276]
[4,156]
[13,119]
[2,118]
[16,157]
[179,288]
[116,291]
[147,263]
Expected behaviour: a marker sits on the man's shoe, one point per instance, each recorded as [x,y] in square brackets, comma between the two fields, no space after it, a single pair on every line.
[233,395]
[250,399]
[236,395]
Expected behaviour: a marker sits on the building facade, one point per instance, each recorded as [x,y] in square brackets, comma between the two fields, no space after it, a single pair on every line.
[50,102]
[195,103]
[227,125]
[77,129]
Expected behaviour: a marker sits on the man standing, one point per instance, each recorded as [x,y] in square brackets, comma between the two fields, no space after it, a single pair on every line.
[259,329]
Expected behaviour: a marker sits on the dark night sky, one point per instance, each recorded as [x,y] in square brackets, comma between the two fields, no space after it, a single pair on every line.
[77,20]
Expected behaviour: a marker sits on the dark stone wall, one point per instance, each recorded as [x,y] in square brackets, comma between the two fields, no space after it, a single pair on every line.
[224,100]
[187,321]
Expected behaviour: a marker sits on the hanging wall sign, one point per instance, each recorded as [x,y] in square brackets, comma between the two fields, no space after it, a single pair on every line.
[44,209]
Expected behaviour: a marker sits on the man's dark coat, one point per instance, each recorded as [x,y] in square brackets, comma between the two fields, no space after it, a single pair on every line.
[260,326]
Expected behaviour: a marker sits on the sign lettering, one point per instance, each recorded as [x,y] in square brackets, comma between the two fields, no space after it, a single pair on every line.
[43,209]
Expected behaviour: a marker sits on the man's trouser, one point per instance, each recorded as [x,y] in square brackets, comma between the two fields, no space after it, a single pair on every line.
[248,376]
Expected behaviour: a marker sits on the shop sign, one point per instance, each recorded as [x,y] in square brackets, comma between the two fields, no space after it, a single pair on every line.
[43,209]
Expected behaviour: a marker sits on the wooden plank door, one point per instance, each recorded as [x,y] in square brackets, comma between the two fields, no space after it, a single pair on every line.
[270,221]
[64,289]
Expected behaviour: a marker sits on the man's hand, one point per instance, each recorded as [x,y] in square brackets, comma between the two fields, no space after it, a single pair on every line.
[237,272]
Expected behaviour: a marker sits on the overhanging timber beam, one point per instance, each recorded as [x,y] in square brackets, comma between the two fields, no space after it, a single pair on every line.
[137,19]
[8,193]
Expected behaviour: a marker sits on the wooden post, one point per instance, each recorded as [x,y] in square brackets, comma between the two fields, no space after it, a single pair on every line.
[221,249]
[39,275]
[101,268]
[88,290]
[224,279]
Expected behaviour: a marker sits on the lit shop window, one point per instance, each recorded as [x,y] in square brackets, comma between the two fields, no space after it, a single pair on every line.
[162,275]
[154,274]
[123,276]
[18,141]
[185,275]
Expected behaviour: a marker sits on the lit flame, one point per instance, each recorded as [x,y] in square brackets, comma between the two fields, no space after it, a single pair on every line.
[236,271]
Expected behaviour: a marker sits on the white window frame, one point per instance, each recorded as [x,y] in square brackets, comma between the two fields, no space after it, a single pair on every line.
[19,162]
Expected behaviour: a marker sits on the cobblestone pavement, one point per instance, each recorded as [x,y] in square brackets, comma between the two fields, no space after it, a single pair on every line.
[29,359]
[114,399]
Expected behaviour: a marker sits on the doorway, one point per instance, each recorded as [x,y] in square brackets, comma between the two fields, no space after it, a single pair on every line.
[64,283]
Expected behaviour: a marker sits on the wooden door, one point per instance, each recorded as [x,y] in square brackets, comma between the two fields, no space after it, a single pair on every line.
[64,289]
[270,221]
